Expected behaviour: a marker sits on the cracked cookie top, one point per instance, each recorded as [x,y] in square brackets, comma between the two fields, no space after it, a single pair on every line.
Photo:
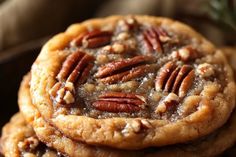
[131,77]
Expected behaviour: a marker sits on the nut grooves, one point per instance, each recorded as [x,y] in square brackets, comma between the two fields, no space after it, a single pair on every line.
[175,79]
[75,70]
[77,65]
[125,69]
[119,102]
[93,39]
[153,38]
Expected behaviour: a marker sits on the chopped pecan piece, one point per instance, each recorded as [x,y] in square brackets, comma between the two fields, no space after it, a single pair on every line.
[119,102]
[123,36]
[169,101]
[137,126]
[176,79]
[205,70]
[63,93]
[78,40]
[127,24]
[75,70]
[29,144]
[116,48]
[125,70]
[153,38]
[128,46]
[185,54]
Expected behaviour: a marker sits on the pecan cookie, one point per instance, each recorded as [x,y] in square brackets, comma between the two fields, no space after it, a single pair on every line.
[132,82]
[19,140]
[211,145]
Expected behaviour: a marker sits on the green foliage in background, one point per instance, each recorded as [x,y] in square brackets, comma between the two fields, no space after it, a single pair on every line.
[223,12]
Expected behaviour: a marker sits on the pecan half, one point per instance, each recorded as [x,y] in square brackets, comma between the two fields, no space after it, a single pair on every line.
[96,39]
[176,79]
[153,38]
[125,70]
[119,102]
[76,65]
[75,70]
[78,40]
[93,39]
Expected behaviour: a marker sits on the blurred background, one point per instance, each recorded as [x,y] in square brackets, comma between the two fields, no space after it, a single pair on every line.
[25,25]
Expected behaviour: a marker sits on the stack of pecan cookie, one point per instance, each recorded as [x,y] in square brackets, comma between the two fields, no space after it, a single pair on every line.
[125,86]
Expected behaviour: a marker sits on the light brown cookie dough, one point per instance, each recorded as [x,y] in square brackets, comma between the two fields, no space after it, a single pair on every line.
[211,145]
[218,141]
[19,140]
[53,138]
[132,82]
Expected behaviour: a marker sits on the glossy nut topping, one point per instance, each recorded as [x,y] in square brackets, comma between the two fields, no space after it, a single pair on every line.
[130,70]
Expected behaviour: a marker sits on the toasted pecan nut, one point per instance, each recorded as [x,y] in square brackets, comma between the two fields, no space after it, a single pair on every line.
[183,72]
[186,83]
[125,69]
[128,75]
[78,40]
[93,39]
[118,65]
[110,106]
[120,48]
[153,38]
[176,79]
[161,79]
[169,101]
[96,39]
[75,66]
[185,54]
[28,144]
[75,70]
[63,93]
[127,24]
[205,70]
[119,102]
[68,65]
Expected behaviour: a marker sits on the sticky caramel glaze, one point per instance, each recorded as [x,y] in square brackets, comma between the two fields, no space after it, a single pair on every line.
[126,44]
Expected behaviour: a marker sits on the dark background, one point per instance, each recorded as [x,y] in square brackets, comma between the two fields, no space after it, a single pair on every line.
[20,45]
